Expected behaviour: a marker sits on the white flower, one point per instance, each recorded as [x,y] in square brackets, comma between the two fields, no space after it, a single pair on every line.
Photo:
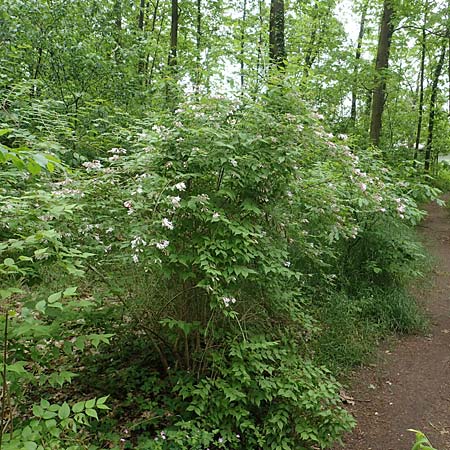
[117,151]
[363,186]
[128,204]
[92,165]
[135,258]
[166,223]
[233,162]
[138,241]
[180,186]
[216,215]
[287,264]
[228,300]
[113,158]
[162,245]
[318,116]
[175,201]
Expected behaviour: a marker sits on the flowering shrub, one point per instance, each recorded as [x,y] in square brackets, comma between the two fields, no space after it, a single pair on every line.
[218,224]
[221,223]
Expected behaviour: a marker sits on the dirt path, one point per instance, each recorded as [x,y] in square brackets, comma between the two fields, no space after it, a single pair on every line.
[409,387]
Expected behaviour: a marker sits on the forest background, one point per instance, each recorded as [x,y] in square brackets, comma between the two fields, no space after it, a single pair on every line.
[207,213]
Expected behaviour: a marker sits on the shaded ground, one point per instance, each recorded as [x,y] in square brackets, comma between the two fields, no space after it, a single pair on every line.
[409,387]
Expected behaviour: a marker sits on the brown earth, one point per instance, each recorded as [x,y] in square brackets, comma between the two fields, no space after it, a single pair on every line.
[409,386]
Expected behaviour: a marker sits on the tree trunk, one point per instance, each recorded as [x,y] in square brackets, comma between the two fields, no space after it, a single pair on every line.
[171,94]
[382,63]
[242,55]
[431,119]
[421,85]
[277,49]
[198,69]
[362,24]
[172,60]
[142,59]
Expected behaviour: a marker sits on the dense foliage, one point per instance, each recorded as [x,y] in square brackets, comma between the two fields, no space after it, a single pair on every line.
[187,270]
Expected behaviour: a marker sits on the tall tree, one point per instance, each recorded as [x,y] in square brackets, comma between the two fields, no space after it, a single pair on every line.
[432,113]
[172,60]
[423,48]
[382,63]
[277,48]
[358,52]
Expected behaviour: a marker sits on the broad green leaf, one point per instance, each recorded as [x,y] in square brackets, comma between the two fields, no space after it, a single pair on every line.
[90,403]
[64,411]
[78,407]
[92,413]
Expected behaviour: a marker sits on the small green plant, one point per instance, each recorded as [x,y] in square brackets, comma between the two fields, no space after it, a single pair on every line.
[422,442]
[56,426]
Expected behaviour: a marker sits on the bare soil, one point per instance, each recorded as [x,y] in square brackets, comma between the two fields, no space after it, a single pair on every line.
[409,386]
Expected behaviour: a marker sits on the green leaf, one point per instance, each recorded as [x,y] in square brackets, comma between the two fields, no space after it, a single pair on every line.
[101,403]
[9,262]
[40,306]
[54,297]
[102,400]
[4,131]
[64,411]
[78,407]
[70,291]
[38,411]
[17,367]
[90,403]
[29,445]
[49,415]
[92,413]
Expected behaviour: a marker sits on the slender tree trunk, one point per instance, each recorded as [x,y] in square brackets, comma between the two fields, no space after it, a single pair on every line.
[34,90]
[198,69]
[141,15]
[358,52]
[277,49]
[141,18]
[242,54]
[259,62]
[382,63]
[432,115]
[118,23]
[172,60]
[421,86]
[309,54]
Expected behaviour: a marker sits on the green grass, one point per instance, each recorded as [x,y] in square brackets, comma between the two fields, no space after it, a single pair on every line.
[352,327]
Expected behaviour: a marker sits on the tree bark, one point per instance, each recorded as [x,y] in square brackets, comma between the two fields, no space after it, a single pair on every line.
[358,52]
[172,60]
[277,49]
[382,63]
[198,36]
[242,55]
[421,85]
[171,94]
[432,115]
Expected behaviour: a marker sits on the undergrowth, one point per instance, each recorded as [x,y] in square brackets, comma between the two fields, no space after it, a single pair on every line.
[200,284]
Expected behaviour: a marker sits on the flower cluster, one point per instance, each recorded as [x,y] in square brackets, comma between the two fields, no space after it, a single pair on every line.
[162,244]
[92,165]
[129,205]
[227,301]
